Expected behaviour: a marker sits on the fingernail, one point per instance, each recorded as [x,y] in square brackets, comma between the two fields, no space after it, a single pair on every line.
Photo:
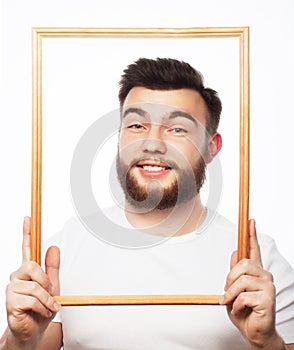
[57,306]
[221,299]
[49,313]
[26,222]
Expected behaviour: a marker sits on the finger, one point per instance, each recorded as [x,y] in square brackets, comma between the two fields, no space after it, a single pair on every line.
[27,303]
[26,248]
[31,271]
[52,262]
[245,267]
[246,284]
[245,301]
[34,290]
[256,301]
[254,249]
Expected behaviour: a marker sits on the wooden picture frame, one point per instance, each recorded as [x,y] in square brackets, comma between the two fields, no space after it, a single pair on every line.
[38,35]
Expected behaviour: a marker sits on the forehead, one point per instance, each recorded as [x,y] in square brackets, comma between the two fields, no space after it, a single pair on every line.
[186,100]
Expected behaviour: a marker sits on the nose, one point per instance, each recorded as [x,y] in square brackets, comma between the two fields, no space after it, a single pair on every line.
[154,143]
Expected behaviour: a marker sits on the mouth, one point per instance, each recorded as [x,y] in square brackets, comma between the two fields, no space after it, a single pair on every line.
[153,168]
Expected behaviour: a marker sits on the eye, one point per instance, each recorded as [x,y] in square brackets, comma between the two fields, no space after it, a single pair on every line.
[135,126]
[178,130]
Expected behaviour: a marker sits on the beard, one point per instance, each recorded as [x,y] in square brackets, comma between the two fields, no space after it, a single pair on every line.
[182,188]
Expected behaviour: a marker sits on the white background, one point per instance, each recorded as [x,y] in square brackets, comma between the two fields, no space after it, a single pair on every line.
[272,73]
[80,85]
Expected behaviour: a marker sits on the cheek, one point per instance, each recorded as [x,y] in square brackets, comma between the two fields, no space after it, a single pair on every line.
[122,140]
[129,140]
[127,151]
[123,143]
[185,149]
[193,150]
[189,157]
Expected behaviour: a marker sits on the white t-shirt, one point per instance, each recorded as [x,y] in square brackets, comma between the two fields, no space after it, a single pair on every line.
[195,263]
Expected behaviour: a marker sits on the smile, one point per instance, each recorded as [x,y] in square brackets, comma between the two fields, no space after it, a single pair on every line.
[152,168]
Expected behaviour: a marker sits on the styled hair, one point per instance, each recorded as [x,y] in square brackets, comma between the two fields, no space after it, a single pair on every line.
[170,74]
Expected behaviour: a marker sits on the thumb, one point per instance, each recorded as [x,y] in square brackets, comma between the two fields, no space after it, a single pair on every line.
[26,248]
[52,262]
[234,259]
[254,249]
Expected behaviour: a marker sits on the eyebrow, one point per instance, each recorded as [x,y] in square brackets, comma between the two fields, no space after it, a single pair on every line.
[174,114]
[183,114]
[139,111]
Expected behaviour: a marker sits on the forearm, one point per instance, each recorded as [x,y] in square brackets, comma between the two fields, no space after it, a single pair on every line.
[276,344]
[10,342]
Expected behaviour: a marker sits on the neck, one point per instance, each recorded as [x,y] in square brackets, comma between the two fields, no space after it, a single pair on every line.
[176,221]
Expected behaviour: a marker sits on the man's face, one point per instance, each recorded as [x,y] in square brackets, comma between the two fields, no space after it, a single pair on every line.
[160,160]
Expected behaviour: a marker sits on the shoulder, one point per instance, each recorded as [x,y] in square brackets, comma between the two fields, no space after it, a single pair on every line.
[272,259]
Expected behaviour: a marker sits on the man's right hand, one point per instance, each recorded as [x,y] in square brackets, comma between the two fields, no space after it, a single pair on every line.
[29,297]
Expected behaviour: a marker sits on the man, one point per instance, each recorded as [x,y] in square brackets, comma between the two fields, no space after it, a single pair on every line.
[161,161]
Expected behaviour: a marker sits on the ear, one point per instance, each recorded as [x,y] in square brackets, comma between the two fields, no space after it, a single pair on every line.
[214,146]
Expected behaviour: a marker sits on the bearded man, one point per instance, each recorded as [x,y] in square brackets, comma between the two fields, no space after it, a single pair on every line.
[168,134]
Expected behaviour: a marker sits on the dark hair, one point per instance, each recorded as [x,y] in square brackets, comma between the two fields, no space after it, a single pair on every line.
[170,74]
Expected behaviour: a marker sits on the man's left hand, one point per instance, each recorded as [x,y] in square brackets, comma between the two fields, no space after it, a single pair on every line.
[250,298]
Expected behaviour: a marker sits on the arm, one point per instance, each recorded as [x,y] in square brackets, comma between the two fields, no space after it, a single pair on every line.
[51,340]
[250,299]
[29,301]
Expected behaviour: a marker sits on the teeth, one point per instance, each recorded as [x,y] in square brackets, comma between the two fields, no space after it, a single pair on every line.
[153,168]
